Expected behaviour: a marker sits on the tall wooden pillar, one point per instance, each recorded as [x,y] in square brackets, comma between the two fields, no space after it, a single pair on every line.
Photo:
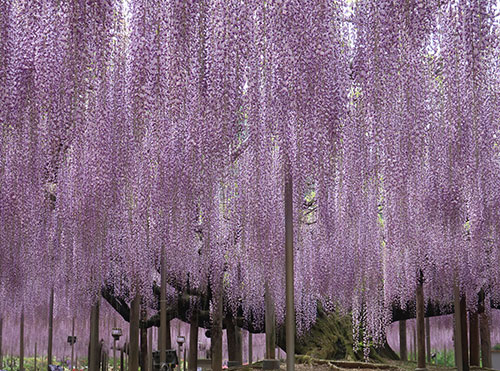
[289,256]
[193,341]
[420,326]
[428,339]
[51,325]
[403,353]
[461,344]
[270,325]
[250,348]
[484,331]
[94,337]
[474,338]
[133,355]
[162,336]
[143,360]
[1,337]
[216,329]
[21,342]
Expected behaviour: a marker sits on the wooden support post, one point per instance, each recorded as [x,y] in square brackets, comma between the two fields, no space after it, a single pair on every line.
[122,363]
[403,354]
[484,332]
[94,337]
[51,326]
[133,353]
[461,344]
[428,339]
[290,304]
[270,325]
[238,345]
[72,344]
[21,342]
[193,341]
[34,361]
[216,329]
[420,326]
[143,354]
[1,340]
[150,350]
[474,338]
[250,348]
[463,328]
[163,346]
[415,342]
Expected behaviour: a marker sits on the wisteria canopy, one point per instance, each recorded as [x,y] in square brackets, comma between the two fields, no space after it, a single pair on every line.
[126,126]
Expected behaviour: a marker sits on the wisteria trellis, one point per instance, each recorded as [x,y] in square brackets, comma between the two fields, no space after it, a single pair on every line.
[125,125]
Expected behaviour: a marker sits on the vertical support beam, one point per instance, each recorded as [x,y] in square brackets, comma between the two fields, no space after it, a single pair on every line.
[231,340]
[474,338]
[463,328]
[133,353]
[72,344]
[484,331]
[420,325]
[94,337]
[21,342]
[51,326]
[34,361]
[290,304]
[403,353]
[250,348]
[122,363]
[143,361]
[428,339]
[414,357]
[270,325]
[150,350]
[163,308]
[459,356]
[238,345]
[114,347]
[193,341]
[216,329]
[1,338]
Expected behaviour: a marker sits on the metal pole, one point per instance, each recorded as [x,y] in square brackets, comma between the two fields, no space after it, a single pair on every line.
[34,366]
[290,309]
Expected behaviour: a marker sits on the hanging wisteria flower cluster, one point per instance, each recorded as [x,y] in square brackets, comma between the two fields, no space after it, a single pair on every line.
[126,126]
